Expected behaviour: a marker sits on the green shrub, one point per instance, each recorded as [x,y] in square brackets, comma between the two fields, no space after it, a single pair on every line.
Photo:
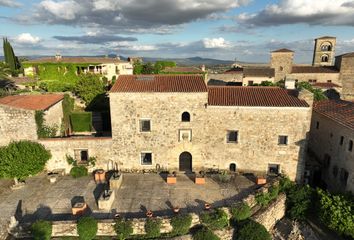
[216,219]
[336,211]
[285,184]
[152,228]
[299,202]
[87,228]
[88,87]
[251,230]
[41,230]
[123,228]
[240,211]
[204,233]
[44,131]
[78,171]
[264,199]
[81,121]
[181,224]
[22,159]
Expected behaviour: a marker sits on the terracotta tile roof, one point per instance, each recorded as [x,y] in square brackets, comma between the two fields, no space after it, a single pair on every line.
[258,72]
[325,85]
[283,50]
[160,83]
[311,69]
[182,70]
[234,71]
[32,102]
[76,60]
[337,110]
[253,97]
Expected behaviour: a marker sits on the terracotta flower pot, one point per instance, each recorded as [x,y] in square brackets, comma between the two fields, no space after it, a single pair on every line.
[207,206]
[176,209]
[149,214]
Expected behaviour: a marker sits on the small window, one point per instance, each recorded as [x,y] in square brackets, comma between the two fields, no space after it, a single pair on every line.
[186,117]
[317,125]
[350,147]
[146,158]
[250,83]
[81,155]
[335,171]
[232,136]
[145,125]
[329,81]
[283,140]
[341,140]
[324,58]
[273,169]
[343,176]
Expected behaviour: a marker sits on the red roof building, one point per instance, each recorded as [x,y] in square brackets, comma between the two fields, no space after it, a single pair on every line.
[32,102]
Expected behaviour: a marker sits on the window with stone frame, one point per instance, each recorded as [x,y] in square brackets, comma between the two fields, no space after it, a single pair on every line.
[282,140]
[146,158]
[341,141]
[81,155]
[350,146]
[343,177]
[232,136]
[273,169]
[145,125]
[186,117]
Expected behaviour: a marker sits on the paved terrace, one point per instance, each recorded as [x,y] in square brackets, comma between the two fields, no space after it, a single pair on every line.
[138,192]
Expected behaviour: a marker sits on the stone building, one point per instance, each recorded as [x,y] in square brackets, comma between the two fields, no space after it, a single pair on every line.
[331,142]
[324,51]
[107,67]
[17,115]
[282,62]
[176,122]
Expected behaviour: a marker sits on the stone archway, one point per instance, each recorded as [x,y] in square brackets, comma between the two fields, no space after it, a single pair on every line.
[185,162]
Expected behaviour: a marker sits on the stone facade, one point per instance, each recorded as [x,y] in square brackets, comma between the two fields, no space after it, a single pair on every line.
[258,130]
[325,142]
[54,116]
[249,80]
[324,51]
[319,77]
[282,63]
[16,124]
[346,66]
[101,148]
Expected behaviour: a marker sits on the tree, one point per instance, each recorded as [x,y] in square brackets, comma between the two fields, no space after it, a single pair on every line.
[10,57]
[251,230]
[21,159]
[148,68]
[88,87]
[87,228]
[161,65]
[137,68]
[317,93]
[5,70]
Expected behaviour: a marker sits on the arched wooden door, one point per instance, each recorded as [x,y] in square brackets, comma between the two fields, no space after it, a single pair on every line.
[185,162]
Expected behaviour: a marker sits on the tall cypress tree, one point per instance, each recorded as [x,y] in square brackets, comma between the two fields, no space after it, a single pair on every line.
[10,57]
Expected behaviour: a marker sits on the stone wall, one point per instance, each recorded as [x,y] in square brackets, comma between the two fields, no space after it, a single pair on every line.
[347,77]
[225,77]
[258,130]
[319,77]
[326,140]
[256,80]
[54,116]
[101,148]
[16,124]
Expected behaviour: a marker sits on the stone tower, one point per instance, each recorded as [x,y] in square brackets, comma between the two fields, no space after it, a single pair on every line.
[323,53]
[345,64]
[282,62]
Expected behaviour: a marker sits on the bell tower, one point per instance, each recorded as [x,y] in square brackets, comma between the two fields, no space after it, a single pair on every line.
[323,54]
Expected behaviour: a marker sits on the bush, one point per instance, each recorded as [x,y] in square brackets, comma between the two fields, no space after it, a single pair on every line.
[78,171]
[44,131]
[251,230]
[41,230]
[88,87]
[81,121]
[181,224]
[216,219]
[240,211]
[152,228]
[264,199]
[123,229]
[336,211]
[204,233]
[87,228]
[285,184]
[299,201]
[22,159]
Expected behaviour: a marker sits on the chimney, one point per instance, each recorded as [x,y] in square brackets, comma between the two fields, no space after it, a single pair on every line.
[290,84]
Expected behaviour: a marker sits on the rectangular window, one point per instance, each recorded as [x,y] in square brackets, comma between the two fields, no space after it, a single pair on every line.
[232,136]
[350,147]
[341,140]
[250,83]
[283,140]
[273,169]
[145,125]
[317,125]
[343,176]
[146,158]
[329,81]
[81,155]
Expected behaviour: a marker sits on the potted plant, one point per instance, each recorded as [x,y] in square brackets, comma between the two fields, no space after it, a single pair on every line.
[149,214]
[207,206]
[100,176]
[200,178]
[171,178]
[261,179]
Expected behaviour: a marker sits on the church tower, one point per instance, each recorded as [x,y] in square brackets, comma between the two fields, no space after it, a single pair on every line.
[282,62]
[323,54]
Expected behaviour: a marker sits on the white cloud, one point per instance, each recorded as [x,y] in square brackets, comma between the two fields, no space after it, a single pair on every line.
[66,10]
[215,43]
[9,3]
[27,38]
[314,12]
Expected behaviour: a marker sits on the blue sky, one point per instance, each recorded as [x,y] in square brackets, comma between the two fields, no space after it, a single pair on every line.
[224,29]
